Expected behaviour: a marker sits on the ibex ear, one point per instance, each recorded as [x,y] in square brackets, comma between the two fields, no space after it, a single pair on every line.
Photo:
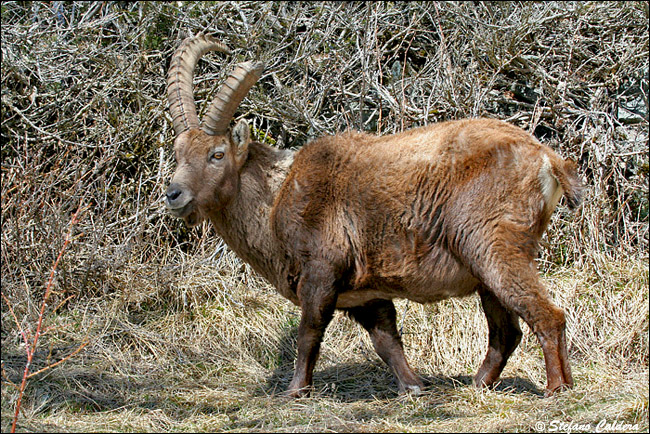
[241,137]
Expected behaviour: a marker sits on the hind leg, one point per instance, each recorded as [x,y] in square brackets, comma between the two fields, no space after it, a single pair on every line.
[504,261]
[504,336]
[516,285]
[378,317]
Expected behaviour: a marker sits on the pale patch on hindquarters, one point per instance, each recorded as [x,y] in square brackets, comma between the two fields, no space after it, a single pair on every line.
[551,189]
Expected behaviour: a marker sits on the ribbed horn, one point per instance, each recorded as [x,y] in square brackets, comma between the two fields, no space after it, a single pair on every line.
[232,92]
[180,87]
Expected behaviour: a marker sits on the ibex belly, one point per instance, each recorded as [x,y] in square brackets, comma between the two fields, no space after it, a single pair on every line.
[426,279]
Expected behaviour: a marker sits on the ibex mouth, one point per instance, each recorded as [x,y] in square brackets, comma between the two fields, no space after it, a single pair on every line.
[187,213]
[180,212]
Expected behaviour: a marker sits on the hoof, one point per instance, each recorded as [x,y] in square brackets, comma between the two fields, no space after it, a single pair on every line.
[411,389]
[483,385]
[557,390]
[298,393]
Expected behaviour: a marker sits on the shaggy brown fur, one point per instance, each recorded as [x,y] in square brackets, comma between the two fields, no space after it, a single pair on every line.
[353,221]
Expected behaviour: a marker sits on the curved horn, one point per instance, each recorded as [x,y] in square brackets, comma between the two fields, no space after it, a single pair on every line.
[180,89]
[217,119]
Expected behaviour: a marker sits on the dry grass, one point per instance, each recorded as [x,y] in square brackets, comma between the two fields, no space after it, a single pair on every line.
[223,364]
[183,336]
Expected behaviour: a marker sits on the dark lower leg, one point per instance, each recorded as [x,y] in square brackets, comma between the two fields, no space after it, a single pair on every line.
[318,300]
[552,337]
[522,293]
[504,336]
[378,317]
[309,341]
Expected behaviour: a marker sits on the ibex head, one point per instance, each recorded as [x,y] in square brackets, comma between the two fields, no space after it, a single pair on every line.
[209,157]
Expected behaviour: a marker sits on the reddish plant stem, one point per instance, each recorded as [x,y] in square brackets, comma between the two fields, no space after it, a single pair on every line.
[31,349]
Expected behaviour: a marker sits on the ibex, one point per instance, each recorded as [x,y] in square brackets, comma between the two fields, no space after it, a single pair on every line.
[354,220]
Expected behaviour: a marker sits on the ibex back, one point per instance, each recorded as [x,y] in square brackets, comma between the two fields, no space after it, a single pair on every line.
[353,221]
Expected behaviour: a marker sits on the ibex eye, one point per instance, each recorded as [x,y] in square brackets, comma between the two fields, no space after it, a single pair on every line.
[218,155]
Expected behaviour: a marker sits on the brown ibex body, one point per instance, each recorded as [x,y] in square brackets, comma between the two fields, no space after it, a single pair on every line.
[353,221]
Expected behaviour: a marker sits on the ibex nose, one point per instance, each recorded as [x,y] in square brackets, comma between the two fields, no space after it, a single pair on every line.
[173,195]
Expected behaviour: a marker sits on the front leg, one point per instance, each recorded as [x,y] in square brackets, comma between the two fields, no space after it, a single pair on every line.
[379,318]
[318,300]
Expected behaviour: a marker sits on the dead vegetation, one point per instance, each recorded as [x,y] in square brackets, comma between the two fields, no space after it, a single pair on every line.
[181,334]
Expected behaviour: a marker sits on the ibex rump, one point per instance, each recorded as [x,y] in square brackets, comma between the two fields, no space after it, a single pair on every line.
[353,221]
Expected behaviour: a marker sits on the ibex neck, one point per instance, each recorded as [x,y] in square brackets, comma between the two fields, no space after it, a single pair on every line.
[244,224]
